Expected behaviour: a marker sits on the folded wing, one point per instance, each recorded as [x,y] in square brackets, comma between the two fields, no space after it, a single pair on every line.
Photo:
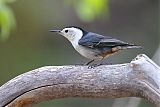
[93,40]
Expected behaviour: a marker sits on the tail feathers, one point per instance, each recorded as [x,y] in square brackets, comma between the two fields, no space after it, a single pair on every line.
[130,46]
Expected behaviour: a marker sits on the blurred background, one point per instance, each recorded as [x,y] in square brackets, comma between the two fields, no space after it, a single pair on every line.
[26,43]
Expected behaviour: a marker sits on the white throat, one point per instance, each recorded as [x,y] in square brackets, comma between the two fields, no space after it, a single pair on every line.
[77,37]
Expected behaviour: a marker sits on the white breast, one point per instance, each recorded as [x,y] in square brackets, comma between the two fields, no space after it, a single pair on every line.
[86,52]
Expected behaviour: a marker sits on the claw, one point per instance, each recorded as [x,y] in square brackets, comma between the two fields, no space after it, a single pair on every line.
[93,66]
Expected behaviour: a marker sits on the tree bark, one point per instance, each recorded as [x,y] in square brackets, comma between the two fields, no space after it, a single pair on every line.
[139,78]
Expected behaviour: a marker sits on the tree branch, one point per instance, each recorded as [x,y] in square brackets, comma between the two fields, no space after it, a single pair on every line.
[139,78]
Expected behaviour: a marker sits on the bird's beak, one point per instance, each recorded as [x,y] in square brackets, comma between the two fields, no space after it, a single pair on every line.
[57,31]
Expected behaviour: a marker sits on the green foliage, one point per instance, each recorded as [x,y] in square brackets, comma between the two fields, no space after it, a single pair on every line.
[89,10]
[7,20]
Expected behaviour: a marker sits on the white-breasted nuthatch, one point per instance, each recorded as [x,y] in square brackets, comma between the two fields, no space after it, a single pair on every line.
[91,45]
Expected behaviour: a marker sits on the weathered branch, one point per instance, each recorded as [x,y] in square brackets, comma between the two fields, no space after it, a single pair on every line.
[139,78]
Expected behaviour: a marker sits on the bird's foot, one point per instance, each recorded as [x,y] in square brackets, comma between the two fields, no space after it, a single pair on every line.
[93,65]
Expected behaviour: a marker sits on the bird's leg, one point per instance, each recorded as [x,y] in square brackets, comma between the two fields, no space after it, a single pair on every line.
[89,62]
[95,65]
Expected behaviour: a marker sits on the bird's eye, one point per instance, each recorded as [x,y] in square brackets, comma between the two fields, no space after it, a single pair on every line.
[66,31]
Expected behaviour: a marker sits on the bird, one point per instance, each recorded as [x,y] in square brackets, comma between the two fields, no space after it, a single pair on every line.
[93,46]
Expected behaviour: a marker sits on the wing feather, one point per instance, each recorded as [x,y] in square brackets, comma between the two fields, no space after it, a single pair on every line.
[98,41]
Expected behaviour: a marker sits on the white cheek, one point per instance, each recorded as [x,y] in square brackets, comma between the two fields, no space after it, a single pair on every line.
[70,37]
[73,36]
[67,35]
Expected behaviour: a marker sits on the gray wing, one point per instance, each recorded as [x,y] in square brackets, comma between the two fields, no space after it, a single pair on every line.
[93,40]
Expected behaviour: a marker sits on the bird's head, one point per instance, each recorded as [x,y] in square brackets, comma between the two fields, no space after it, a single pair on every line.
[71,32]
